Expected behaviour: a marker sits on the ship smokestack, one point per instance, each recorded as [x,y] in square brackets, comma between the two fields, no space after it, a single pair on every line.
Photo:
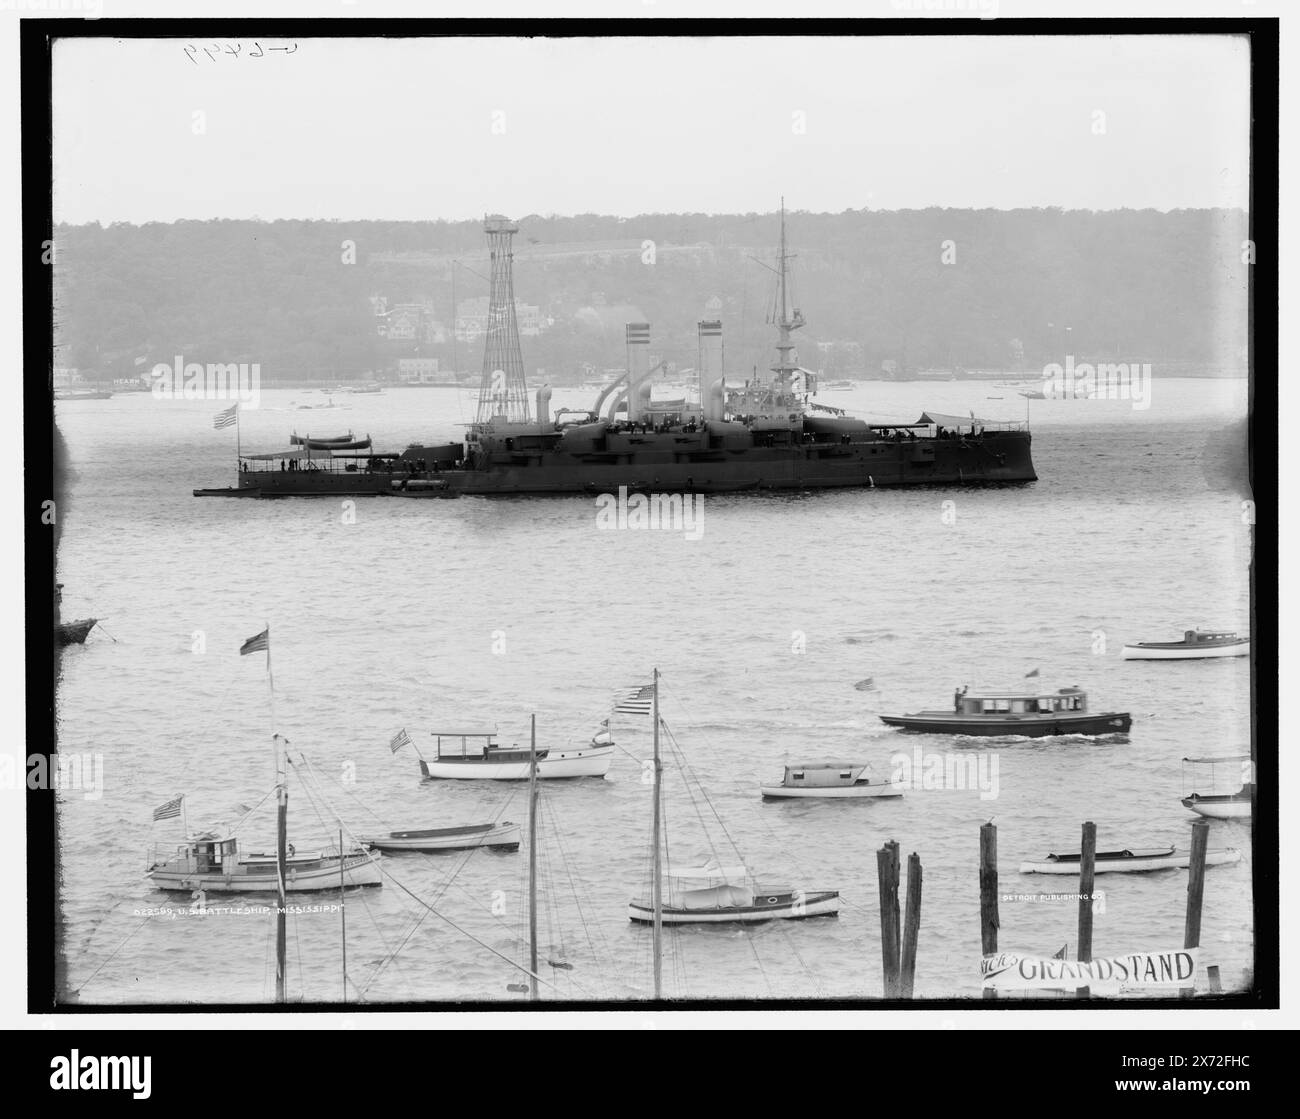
[544,408]
[712,394]
[638,366]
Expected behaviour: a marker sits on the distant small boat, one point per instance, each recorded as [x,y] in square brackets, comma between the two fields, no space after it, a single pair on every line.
[503,836]
[229,491]
[1226,800]
[1196,645]
[70,633]
[420,487]
[832,780]
[867,685]
[1128,860]
[331,443]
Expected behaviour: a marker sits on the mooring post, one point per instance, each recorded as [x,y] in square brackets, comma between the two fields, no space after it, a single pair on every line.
[887,872]
[989,894]
[1087,869]
[911,926]
[1195,891]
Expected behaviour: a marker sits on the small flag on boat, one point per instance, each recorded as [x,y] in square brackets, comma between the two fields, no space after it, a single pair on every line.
[226,418]
[170,809]
[1061,954]
[256,644]
[1029,674]
[242,810]
[636,701]
[400,739]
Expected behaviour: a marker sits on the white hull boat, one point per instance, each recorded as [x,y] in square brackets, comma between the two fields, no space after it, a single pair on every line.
[476,756]
[1195,645]
[214,866]
[835,780]
[504,835]
[1130,860]
[590,761]
[1224,798]
[784,906]
[1235,806]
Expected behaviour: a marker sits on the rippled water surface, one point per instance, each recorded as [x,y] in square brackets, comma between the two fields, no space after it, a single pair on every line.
[479,612]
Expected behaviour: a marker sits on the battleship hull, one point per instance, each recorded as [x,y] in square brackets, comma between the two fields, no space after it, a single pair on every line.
[996,458]
[669,463]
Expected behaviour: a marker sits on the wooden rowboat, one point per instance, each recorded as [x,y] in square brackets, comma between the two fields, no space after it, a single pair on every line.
[502,836]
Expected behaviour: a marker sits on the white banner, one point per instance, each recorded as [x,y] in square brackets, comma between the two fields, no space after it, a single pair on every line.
[1009,971]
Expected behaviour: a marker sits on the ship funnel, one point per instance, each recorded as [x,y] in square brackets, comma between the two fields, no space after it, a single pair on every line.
[544,407]
[638,366]
[712,394]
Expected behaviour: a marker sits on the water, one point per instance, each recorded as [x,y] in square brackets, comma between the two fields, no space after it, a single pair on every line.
[479,612]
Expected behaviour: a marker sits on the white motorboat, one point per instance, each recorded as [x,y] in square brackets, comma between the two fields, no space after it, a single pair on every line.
[1196,644]
[831,779]
[476,755]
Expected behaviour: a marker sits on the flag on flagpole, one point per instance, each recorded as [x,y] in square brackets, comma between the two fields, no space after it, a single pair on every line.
[256,644]
[226,418]
[636,701]
[1029,674]
[170,809]
[400,739]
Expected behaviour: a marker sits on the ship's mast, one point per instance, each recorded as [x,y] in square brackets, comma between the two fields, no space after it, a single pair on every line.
[657,885]
[532,862]
[785,322]
[503,393]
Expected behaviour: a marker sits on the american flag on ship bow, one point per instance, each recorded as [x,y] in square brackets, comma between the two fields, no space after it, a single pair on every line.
[636,700]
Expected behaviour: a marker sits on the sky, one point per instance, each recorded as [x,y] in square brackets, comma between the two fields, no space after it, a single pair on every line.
[418,129]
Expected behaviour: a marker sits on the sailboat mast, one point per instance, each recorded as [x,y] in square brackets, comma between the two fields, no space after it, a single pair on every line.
[343,917]
[658,882]
[281,838]
[532,862]
[281,834]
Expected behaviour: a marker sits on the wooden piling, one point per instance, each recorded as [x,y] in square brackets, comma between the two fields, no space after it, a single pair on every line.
[1087,871]
[887,873]
[1195,891]
[989,894]
[911,926]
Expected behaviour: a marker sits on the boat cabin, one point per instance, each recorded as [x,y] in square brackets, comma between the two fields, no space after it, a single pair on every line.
[202,854]
[479,746]
[820,775]
[1019,702]
[1208,637]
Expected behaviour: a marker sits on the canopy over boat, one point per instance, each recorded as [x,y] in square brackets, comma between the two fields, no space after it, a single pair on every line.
[709,870]
[716,897]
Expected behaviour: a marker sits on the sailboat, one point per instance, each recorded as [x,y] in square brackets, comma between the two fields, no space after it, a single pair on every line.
[213,862]
[713,893]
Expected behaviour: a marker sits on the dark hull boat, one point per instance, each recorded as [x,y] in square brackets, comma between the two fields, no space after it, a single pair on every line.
[1031,726]
[766,434]
[1030,714]
[74,633]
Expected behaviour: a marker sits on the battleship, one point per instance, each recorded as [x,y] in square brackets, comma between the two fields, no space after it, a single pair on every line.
[767,434]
